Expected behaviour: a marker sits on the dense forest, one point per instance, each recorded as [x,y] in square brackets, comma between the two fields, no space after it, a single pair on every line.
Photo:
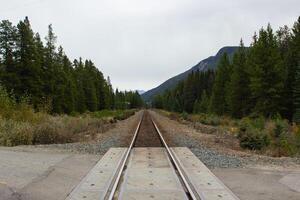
[42,74]
[260,80]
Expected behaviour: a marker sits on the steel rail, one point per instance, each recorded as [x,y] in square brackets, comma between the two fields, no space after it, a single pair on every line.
[194,195]
[114,185]
[125,158]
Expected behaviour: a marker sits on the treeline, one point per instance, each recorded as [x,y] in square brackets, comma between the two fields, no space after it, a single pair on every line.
[44,74]
[263,79]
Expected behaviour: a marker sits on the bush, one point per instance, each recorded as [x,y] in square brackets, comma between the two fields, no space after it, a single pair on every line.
[281,128]
[253,139]
[14,133]
[184,115]
[213,120]
[124,115]
[115,114]
[297,139]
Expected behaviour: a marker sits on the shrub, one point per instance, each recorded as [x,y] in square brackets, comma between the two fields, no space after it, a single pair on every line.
[115,114]
[253,139]
[281,128]
[14,133]
[297,139]
[124,115]
[213,120]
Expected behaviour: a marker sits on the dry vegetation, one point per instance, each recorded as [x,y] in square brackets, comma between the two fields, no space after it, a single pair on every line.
[274,137]
[21,125]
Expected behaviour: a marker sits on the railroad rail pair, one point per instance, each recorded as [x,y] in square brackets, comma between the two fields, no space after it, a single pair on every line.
[190,191]
[152,173]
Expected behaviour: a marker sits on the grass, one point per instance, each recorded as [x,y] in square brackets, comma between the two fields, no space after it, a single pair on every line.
[21,125]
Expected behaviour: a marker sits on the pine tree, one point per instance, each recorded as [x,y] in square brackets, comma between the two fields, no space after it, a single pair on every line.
[48,67]
[202,105]
[189,92]
[295,61]
[267,74]
[9,77]
[239,92]
[28,65]
[80,98]
[218,99]
[89,87]
[296,95]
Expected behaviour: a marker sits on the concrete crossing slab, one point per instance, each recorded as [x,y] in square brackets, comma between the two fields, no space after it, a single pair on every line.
[150,175]
[206,184]
[96,183]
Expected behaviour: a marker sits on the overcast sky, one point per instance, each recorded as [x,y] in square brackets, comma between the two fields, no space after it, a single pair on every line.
[141,43]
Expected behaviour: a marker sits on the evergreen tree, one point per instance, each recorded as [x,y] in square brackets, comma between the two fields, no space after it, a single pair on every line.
[267,74]
[239,92]
[296,95]
[202,105]
[28,65]
[9,77]
[48,67]
[89,87]
[295,61]
[80,98]
[218,99]
[189,92]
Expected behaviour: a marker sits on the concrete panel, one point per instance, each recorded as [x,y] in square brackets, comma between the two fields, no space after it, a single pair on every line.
[153,195]
[150,175]
[96,183]
[206,184]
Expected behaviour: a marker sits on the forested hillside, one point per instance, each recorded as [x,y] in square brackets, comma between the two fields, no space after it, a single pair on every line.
[206,64]
[262,80]
[41,73]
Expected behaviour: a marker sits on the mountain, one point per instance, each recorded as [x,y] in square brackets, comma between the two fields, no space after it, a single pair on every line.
[208,63]
[141,92]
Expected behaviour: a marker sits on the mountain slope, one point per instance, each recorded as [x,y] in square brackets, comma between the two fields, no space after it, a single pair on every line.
[208,63]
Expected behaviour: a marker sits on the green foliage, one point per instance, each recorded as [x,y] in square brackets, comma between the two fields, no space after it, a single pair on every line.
[238,94]
[267,74]
[184,115]
[260,80]
[116,114]
[184,95]
[254,139]
[44,73]
[297,139]
[219,103]
[210,119]
[202,106]
[296,94]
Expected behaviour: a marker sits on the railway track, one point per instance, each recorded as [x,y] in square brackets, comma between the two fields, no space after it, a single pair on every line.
[150,169]
[148,134]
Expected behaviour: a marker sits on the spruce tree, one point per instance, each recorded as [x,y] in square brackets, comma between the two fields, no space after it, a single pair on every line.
[9,77]
[296,95]
[267,74]
[28,65]
[218,100]
[239,93]
[295,61]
